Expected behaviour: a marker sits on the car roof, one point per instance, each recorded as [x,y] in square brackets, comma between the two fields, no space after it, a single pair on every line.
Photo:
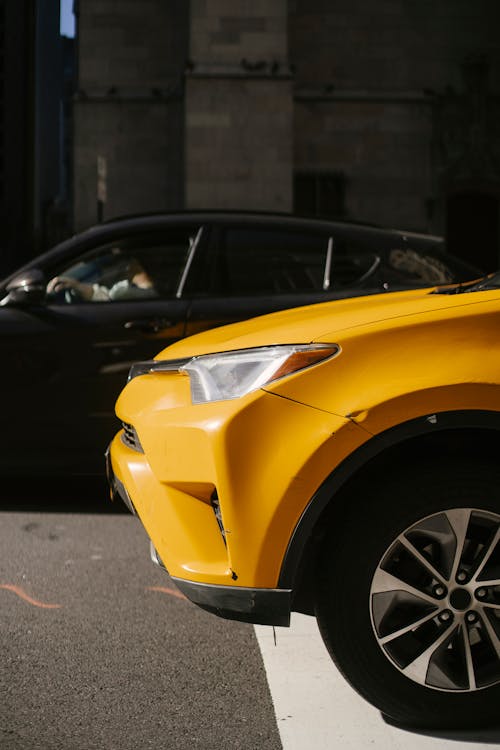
[235,216]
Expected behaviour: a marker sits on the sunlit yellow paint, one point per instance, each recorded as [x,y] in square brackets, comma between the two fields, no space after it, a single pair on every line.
[403,356]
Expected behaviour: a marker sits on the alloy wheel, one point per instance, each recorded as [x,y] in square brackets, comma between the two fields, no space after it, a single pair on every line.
[435,601]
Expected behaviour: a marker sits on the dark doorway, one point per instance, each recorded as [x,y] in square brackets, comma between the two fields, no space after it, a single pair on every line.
[472,228]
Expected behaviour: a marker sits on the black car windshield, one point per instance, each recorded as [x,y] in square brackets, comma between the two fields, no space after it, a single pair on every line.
[491,281]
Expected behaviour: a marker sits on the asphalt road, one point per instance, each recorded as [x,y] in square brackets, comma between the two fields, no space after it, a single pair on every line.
[100,651]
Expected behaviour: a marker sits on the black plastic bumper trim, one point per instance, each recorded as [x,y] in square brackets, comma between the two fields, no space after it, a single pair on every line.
[258,606]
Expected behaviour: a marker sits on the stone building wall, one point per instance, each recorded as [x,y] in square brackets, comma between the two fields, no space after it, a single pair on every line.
[381,149]
[369,90]
[395,44]
[391,109]
[129,107]
[238,106]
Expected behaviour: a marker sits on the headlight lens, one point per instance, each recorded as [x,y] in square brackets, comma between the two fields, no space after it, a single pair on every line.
[218,377]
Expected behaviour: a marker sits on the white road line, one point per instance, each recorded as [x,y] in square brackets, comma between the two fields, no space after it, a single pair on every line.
[316,708]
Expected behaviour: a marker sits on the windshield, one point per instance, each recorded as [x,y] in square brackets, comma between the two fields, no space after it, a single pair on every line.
[491,281]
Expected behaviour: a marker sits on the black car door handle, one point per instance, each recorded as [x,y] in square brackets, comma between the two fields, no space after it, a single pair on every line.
[153,325]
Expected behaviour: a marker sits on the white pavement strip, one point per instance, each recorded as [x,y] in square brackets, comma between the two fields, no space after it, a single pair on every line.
[317,710]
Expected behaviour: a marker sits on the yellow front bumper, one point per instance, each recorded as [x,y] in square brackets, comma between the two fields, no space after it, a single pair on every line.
[262,457]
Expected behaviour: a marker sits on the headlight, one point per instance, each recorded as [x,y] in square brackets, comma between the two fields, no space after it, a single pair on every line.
[217,377]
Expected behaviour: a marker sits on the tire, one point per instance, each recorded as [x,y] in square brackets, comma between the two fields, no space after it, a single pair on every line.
[427,656]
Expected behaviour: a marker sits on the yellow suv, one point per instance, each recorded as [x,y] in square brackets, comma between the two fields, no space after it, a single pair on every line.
[340,460]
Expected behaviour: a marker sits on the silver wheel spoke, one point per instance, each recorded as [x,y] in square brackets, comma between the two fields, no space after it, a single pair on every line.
[487,554]
[468,658]
[418,668]
[397,633]
[459,522]
[495,642]
[384,582]
[422,560]
[485,584]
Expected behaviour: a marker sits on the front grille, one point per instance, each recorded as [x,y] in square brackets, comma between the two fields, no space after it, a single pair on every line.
[130,438]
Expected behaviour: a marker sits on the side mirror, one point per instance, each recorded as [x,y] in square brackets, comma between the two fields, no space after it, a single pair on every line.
[28,288]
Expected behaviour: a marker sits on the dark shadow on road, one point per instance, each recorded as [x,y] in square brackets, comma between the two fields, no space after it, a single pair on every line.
[58,495]
[486,735]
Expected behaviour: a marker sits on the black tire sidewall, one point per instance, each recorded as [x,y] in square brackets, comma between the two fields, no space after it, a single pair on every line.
[371,516]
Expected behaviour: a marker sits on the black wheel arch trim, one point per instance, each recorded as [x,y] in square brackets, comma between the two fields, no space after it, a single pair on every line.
[428,424]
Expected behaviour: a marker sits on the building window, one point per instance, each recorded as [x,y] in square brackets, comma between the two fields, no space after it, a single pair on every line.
[319,194]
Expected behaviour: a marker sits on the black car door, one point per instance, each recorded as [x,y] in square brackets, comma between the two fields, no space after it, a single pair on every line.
[73,351]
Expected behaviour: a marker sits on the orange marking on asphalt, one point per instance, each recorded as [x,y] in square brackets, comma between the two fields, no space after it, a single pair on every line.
[164,590]
[23,595]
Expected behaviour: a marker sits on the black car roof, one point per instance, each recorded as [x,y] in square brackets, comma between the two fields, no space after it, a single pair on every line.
[249,216]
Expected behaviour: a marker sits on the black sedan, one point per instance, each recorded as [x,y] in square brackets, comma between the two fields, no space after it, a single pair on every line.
[75,318]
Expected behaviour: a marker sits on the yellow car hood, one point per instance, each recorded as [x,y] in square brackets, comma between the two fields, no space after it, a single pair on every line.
[319,322]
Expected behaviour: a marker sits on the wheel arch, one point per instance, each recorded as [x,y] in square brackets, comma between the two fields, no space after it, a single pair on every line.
[457,433]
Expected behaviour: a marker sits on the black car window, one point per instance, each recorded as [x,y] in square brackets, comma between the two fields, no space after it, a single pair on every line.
[267,261]
[401,261]
[397,266]
[142,267]
[407,264]
[353,270]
